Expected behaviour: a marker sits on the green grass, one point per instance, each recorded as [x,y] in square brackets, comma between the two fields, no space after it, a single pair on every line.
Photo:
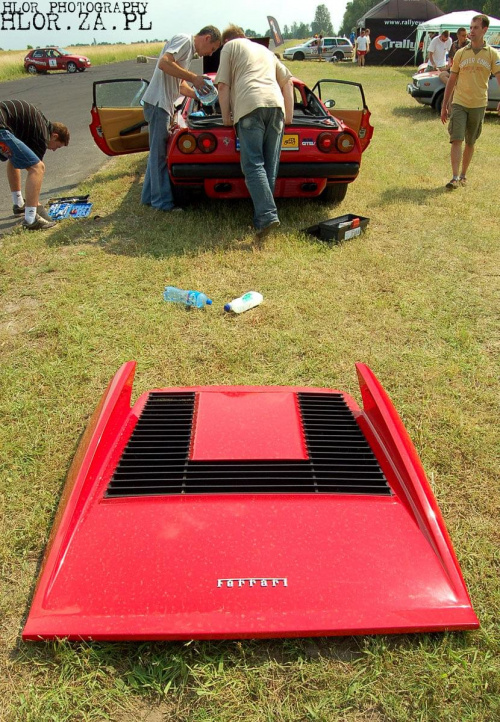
[415,297]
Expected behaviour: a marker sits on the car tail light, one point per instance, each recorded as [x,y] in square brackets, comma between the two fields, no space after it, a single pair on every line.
[326,142]
[186,143]
[207,142]
[345,142]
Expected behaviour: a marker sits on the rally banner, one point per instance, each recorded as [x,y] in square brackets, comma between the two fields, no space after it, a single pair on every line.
[392,42]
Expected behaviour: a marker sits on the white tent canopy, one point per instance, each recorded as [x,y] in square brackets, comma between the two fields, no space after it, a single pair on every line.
[453,21]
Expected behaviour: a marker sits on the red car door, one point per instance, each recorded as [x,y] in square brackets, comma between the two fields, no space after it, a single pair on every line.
[346,100]
[118,125]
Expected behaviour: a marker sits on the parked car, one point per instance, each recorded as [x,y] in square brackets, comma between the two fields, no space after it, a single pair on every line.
[428,89]
[333,48]
[42,60]
[321,150]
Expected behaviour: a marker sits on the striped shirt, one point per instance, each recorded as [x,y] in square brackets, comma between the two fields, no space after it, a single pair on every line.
[27,123]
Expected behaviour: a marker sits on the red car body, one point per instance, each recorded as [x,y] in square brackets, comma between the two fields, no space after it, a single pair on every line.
[238,512]
[321,151]
[41,60]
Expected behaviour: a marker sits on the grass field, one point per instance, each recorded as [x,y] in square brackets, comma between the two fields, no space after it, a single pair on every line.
[415,297]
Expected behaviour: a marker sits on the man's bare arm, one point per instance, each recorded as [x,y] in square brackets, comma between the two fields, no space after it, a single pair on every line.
[225,103]
[287,91]
[168,65]
[448,93]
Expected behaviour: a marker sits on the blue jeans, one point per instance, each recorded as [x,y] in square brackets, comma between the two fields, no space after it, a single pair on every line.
[260,134]
[13,149]
[157,191]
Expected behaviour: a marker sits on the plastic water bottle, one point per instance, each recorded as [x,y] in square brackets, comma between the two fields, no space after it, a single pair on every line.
[208,95]
[243,303]
[188,298]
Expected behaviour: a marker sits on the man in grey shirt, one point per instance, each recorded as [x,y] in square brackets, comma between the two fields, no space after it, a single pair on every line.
[170,79]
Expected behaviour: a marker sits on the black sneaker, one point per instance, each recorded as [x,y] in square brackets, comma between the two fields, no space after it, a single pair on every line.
[39,224]
[17,210]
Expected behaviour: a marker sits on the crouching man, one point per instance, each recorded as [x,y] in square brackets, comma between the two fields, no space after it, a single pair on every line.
[25,135]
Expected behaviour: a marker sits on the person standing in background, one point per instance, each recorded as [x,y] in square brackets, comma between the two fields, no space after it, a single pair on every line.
[438,48]
[362,48]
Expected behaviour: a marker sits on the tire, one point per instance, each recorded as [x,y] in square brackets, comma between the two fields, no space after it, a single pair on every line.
[32,69]
[299,56]
[334,193]
[338,55]
[438,103]
[71,67]
[182,196]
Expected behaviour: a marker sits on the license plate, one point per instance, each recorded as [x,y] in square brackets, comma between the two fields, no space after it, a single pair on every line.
[290,142]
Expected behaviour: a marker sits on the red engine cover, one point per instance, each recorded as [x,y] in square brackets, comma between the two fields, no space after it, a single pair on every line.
[232,512]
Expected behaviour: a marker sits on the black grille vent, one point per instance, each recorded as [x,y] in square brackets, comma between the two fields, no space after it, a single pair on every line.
[155,460]
[340,456]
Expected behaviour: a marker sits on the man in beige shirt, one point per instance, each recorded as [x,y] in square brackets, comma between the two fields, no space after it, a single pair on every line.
[257,89]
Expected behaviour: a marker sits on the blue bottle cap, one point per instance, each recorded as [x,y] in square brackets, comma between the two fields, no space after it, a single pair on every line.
[209,301]
[227,307]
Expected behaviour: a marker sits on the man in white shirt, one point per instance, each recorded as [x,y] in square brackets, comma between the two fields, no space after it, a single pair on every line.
[257,89]
[170,79]
[438,49]
[362,48]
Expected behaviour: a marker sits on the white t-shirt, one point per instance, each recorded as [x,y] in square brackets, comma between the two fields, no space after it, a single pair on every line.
[439,50]
[362,43]
[163,90]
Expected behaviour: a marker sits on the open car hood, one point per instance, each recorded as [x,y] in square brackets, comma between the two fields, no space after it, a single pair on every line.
[233,512]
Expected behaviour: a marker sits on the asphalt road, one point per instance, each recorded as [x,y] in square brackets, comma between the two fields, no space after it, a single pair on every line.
[65,98]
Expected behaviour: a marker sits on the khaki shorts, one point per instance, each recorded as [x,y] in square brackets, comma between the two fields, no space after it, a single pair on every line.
[465,123]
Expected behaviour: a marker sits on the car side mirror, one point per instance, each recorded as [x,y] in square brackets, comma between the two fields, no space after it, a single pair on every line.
[329,103]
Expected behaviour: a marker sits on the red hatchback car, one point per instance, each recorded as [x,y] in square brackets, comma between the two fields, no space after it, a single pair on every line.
[43,59]
[321,151]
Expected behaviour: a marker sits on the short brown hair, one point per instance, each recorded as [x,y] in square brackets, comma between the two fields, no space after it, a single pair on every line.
[232,32]
[61,131]
[212,31]
[485,21]
[445,34]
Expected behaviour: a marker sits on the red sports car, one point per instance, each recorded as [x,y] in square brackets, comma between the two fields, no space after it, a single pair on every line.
[321,151]
[43,59]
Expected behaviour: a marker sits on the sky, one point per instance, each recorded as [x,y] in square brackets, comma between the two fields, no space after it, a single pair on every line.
[66,22]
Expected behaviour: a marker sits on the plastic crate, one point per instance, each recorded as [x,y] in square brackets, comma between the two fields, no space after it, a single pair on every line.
[339,229]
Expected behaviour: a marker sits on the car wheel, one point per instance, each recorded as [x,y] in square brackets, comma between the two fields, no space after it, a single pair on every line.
[182,196]
[334,193]
[338,55]
[438,103]
[71,67]
[32,69]
[298,56]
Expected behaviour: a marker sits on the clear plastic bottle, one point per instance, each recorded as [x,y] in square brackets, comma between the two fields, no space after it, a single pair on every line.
[188,298]
[209,94]
[243,303]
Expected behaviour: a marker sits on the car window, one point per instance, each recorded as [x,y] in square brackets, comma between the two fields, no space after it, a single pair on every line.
[39,54]
[120,93]
[328,41]
[341,41]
